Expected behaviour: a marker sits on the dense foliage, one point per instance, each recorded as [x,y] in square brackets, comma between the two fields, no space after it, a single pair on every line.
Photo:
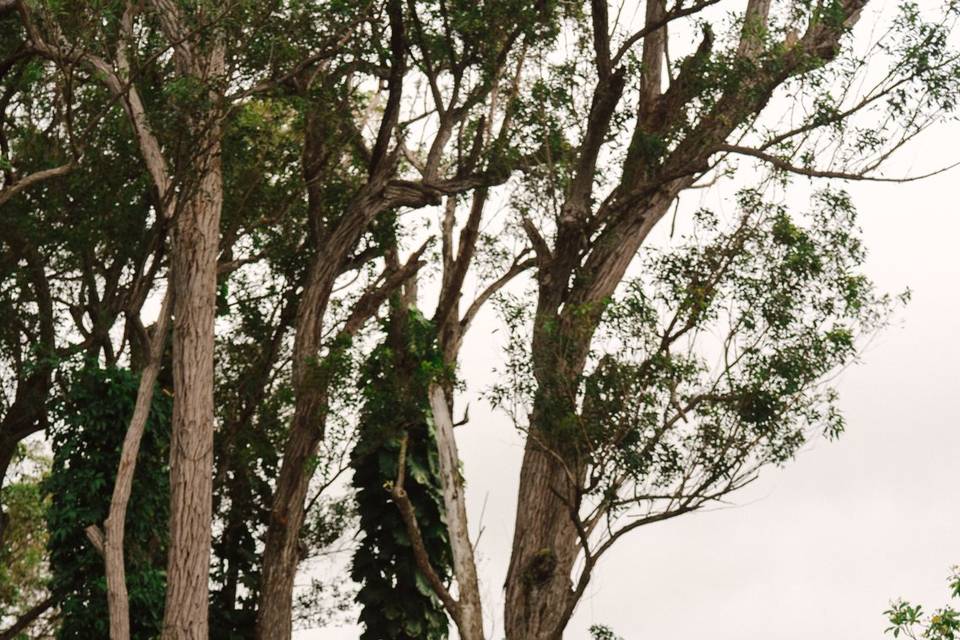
[396,600]
[91,420]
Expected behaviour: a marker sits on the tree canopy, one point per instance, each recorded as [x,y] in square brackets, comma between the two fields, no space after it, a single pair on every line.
[242,244]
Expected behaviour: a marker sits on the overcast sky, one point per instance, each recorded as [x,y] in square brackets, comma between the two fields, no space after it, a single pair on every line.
[816,549]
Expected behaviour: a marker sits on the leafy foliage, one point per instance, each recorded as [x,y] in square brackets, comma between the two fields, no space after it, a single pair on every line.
[91,422]
[603,632]
[711,365]
[23,554]
[397,602]
[911,621]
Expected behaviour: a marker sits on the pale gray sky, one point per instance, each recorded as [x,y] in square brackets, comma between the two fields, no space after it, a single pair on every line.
[819,548]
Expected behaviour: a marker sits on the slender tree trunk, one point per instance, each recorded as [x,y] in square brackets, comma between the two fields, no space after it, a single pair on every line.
[464,564]
[194,264]
[281,548]
[281,552]
[118,603]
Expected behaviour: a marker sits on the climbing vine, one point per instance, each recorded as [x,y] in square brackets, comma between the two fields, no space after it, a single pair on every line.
[396,600]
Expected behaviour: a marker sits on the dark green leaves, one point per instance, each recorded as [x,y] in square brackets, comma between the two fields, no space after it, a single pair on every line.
[397,602]
[91,422]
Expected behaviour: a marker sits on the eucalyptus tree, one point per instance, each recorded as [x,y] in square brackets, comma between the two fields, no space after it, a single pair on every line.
[628,419]
[620,438]
[189,194]
[93,260]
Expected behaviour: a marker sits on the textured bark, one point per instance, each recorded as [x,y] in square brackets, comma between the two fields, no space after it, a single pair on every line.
[118,604]
[311,384]
[281,549]
[545,547]
[539,590]
[194,264]
[281,552]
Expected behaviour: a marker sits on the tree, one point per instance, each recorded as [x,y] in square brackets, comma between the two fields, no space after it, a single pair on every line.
[626,421]
[396,448]
[280,165]
[193,206]
[456,159]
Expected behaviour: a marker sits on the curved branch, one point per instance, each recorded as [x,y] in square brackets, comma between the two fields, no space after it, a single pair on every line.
[38,176]
[402,500]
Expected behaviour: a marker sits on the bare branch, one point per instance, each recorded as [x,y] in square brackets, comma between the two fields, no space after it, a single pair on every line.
[96,538]
[33,613]
[518,267]
[785,165]
[36,177]
[679,11]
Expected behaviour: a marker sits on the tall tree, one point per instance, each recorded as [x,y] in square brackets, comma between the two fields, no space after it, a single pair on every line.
[189,194]
[626,421]
[453,160]
[397,441]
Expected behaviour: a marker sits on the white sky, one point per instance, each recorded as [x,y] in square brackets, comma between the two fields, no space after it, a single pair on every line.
[817,549]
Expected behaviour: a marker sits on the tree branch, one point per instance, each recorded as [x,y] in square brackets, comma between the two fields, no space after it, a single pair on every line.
[422,558]
[30,616]
[810,172]
[37,176]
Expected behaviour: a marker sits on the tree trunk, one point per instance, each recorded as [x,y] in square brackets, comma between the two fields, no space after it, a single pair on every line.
[118,604]
[539,590]
[194,264]
[281,548]
[545,546]
[310,382]
[464,564]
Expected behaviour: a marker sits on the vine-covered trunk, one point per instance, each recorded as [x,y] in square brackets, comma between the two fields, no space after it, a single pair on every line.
[397,443]
[194,264]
